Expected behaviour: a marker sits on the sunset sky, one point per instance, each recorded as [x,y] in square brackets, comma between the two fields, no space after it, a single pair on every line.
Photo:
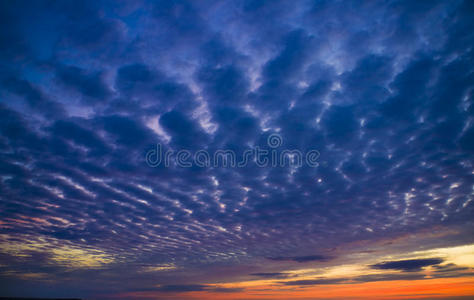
[381,92]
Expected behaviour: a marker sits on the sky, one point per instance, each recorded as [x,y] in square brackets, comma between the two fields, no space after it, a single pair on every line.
[94,93]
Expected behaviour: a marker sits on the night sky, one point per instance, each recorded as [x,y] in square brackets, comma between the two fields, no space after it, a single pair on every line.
[382,91]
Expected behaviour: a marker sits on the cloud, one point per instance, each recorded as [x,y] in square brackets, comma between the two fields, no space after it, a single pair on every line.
[182,288]
[408,265]
[381,90]
[33,96]
[277,275]
[227,290]
[301,259]
[197,288]
[388,277]
[321,281]
[411,268]
[449,268]
[89,84]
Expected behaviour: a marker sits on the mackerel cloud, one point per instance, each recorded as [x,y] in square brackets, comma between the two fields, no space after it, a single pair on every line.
[382,92]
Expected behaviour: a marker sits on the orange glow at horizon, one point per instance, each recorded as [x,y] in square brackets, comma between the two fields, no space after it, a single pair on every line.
[400,289]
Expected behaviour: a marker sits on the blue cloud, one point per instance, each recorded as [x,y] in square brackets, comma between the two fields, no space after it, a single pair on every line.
[409,265]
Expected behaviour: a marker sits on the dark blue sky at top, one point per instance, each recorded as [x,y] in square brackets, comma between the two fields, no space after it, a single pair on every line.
[383,90]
